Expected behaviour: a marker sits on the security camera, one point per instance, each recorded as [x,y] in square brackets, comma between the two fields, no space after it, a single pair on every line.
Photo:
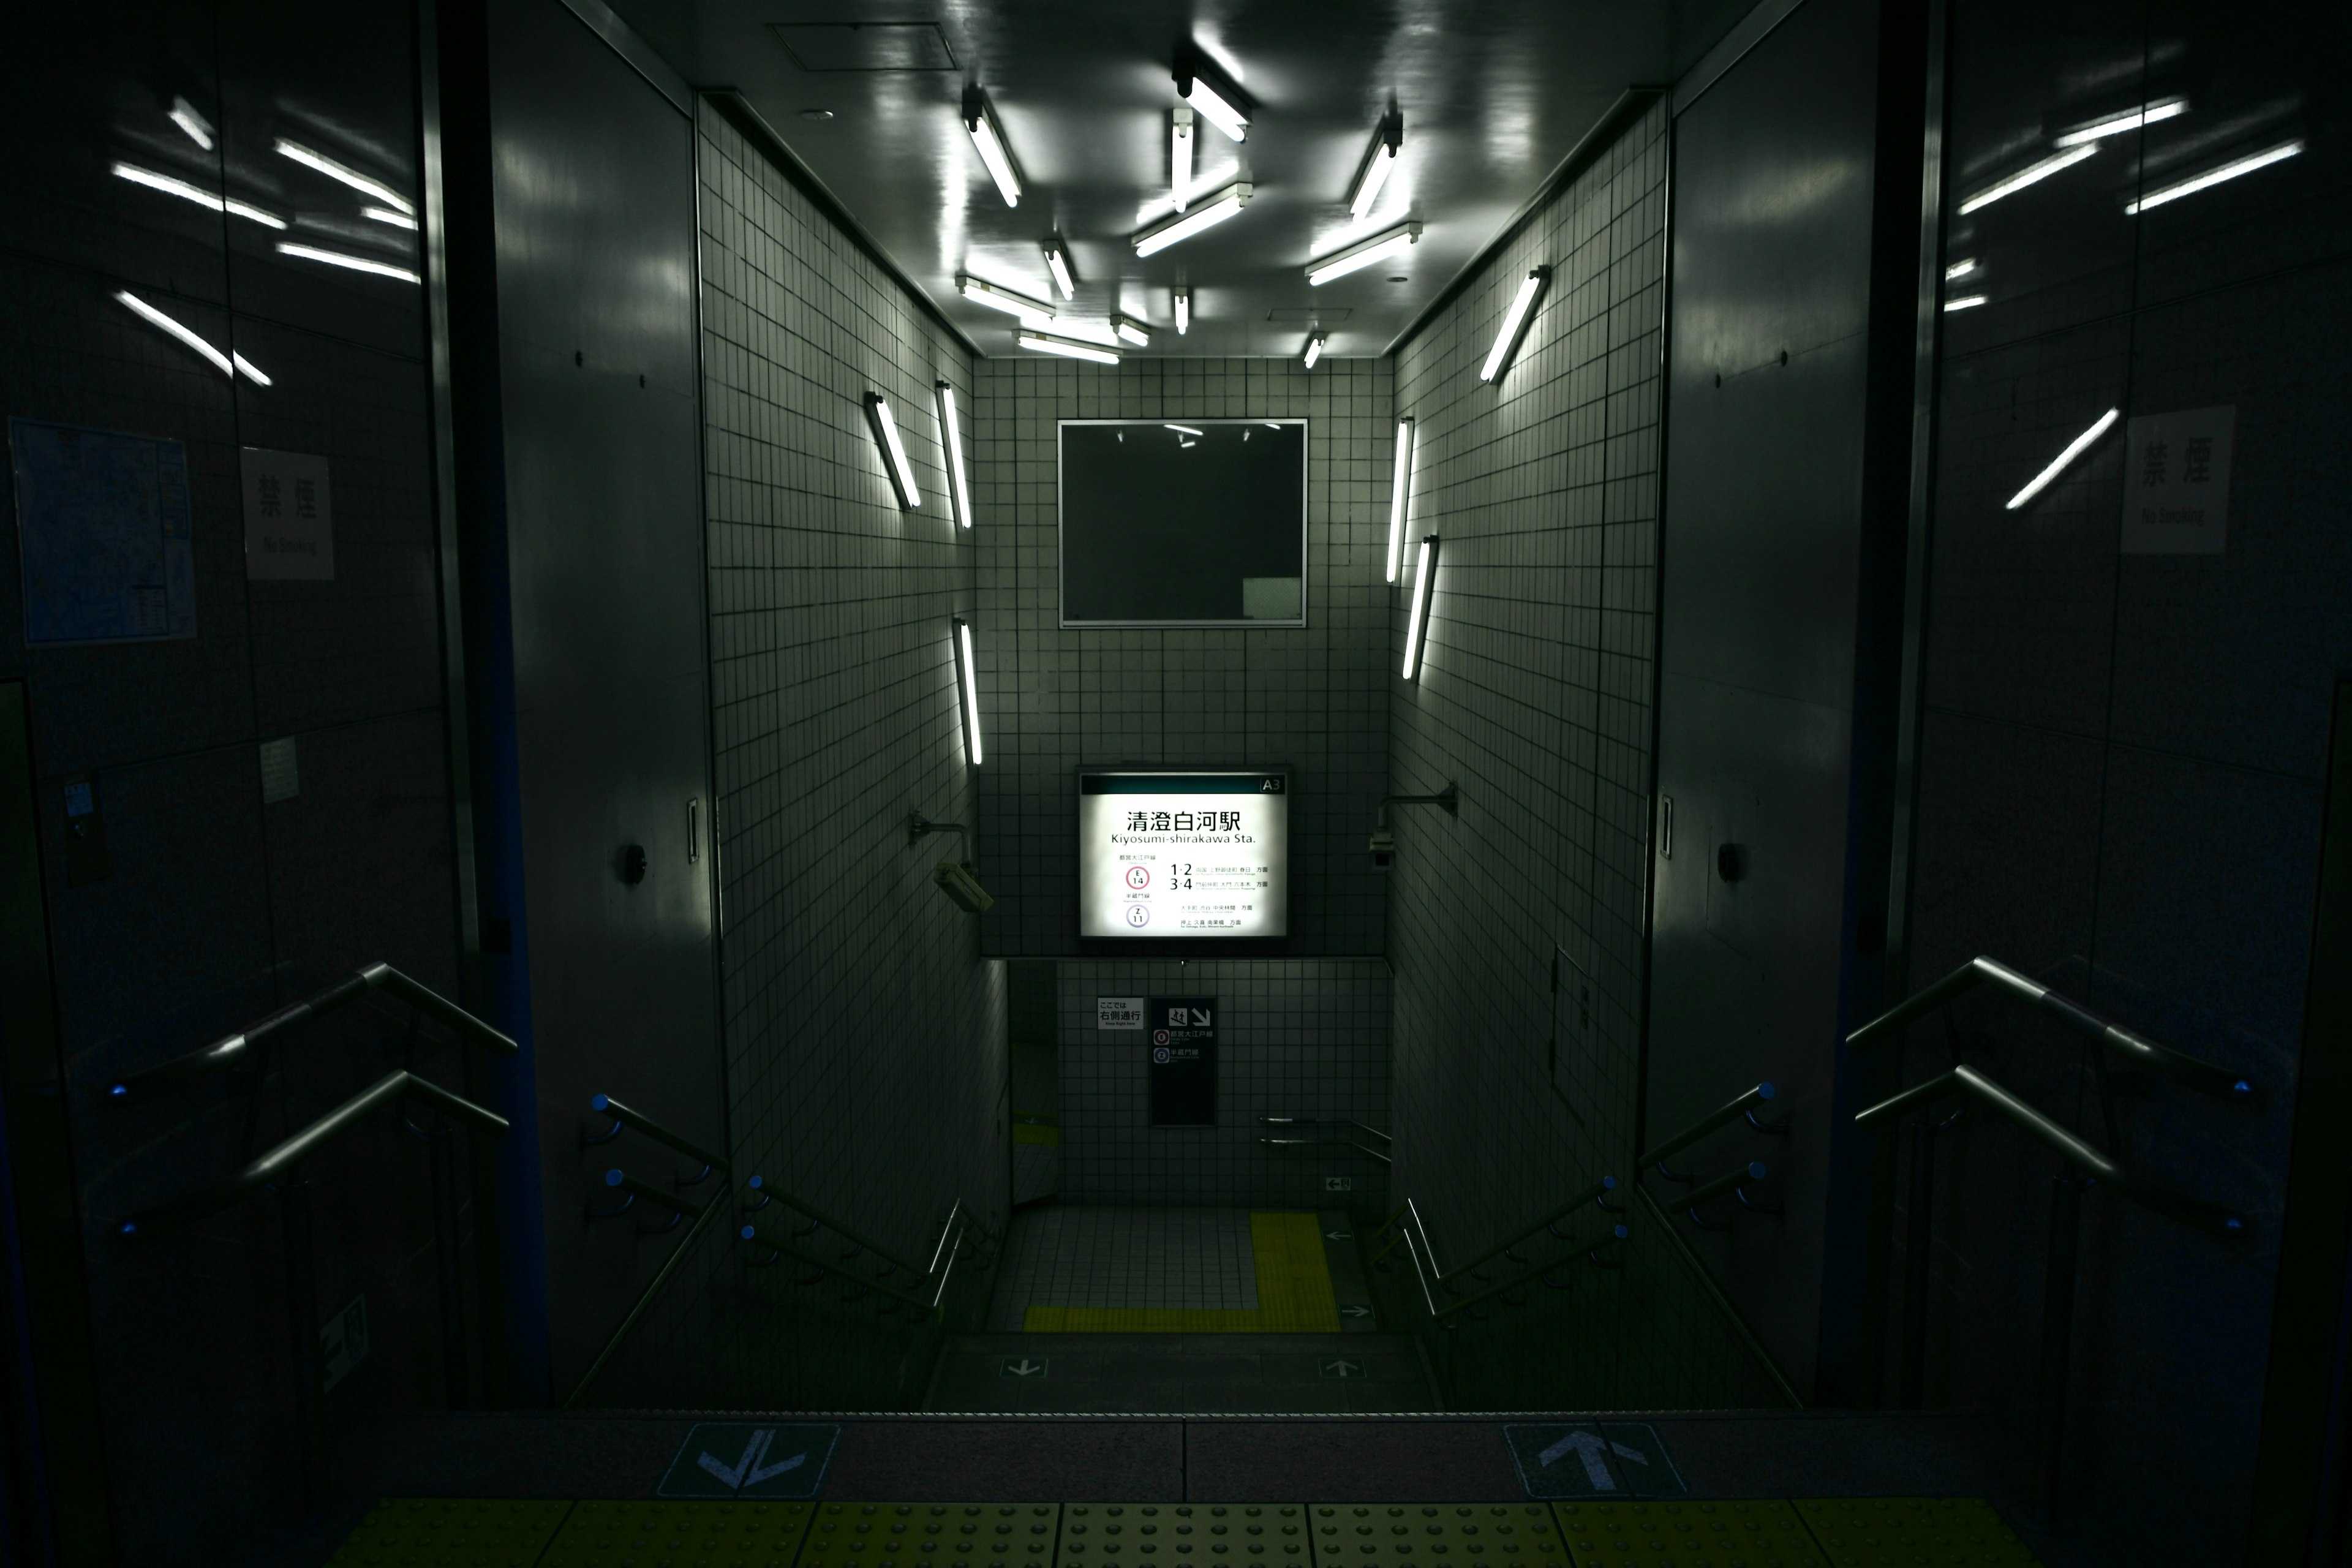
[956,881]
[1384,849]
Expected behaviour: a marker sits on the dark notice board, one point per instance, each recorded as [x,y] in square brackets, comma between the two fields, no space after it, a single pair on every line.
[1181,1035]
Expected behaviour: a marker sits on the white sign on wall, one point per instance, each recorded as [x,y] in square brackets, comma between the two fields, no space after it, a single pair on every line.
[289,516]
[1119,1013]
[2176,482]
[1183,854]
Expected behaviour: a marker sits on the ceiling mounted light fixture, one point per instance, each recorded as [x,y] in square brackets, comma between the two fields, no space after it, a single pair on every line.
[1131,330]
[363,183]
[1182,301]
[1379,163]
[2074,448]
[2032,175]
[1314,348]
[1033,312]
[1218,102]
[1515,323]
[1068,348]
[1179,155]
[894,451]
[1416,619]
[968,683]
[199,128]
[2116,124]
[1185,225]
[2195,183]
[1057,262]
[1398,492]
[1357,257]
[980,119]
[951,440]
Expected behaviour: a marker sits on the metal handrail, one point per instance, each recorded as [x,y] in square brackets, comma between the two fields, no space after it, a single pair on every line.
[758,1185]
[2213,1218]
[784,1248]
[289,1153]
[1324,1121]
[702,1222]
[1731,1110]
[638,1121]
[229,1049]
[1617,1232]
[1379,1154]
[2132,1047]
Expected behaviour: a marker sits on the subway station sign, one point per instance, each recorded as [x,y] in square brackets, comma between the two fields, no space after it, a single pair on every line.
[1183,854]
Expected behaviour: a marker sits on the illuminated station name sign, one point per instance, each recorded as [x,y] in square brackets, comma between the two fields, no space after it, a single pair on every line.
[1176,854]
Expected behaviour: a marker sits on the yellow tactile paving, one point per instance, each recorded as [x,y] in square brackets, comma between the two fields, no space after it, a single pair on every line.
[1911,1532]
[1293,1294]
[429,1533]
[913,1534]
[1752,1534]
[633,1534]
[1123,1535]
[1393,1535]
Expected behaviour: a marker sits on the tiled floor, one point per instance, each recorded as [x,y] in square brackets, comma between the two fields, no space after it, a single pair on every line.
[1124,1258]
[1162,1373]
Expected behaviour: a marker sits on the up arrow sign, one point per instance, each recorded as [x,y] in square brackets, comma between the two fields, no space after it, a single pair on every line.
[748,1471]
[1591,1449]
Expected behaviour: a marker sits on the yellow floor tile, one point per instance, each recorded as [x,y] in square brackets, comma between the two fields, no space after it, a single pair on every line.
[1125,1535]
[629,1534]
[1911,1532]
[451,1533]
[914,1534]
[1758,1534]
[1394,1535]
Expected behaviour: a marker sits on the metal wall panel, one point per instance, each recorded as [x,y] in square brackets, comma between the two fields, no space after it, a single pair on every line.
[1762,563]
[595,238]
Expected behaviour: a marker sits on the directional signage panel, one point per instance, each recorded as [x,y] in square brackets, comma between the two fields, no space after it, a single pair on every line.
[751,1459]
[1181,1046]
[1183,854]
[1592,1459]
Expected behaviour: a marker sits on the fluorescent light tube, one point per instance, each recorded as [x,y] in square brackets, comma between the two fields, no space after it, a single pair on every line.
[1181,429]
[968,683]
[227,364]
[1379,165]
[2196,183]
[171,186]
[1314,349]
[894,450]
[1211,105]
[951,440]
[386,215]
[1515,323]
[2074,449]
[1357,256]
[354,263]
[1183,300]
[1057,262]
[1416,620]
[1068,348]
[1180,156]
[1399,490]
[1033,312]
[1966,302]
[981,120]
[350,177]
[2032,174]
[2116,124]
[1185,225]
[199,128]
[1959,269]
[1131,330]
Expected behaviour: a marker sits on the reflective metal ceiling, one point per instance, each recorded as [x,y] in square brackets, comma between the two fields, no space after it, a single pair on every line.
[1494,94]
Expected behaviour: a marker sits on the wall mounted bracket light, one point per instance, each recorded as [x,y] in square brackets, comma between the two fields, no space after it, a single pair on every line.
[894,451]
[2058,465]
[988,138]
[1215,210]
[1384,842]
[918,825]
[1357,256]
[968,690]
[1515,323]
[1399,493]
[951,443]
[1416,623]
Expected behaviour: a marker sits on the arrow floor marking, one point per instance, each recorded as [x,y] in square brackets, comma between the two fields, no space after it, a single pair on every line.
[748,1471]
[770,1472]
[1590,1448]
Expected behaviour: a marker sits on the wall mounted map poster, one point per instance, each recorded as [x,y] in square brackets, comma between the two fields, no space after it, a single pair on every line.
[102,534]
[1183,853]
